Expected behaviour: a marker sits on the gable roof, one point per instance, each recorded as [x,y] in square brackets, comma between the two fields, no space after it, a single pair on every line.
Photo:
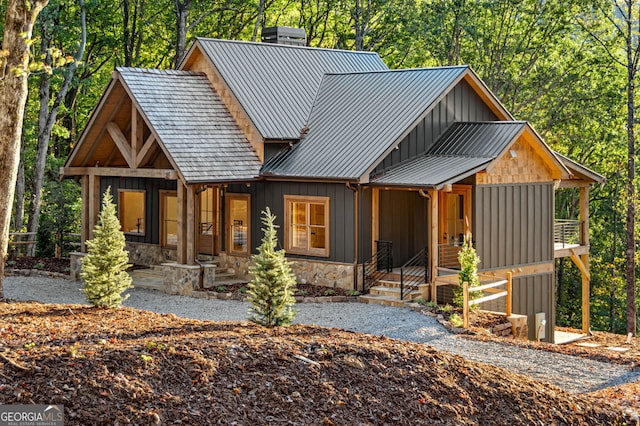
[192,124]
[463,150]
[579,171]
[276,84]
[358,117]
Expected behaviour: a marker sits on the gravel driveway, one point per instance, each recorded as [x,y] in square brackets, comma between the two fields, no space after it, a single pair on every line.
[576,375]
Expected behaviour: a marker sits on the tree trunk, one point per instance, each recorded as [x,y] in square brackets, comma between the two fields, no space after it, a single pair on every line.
[258,20]
[182,16]
[46,120]
[20,18]
[631,153]
[18,210]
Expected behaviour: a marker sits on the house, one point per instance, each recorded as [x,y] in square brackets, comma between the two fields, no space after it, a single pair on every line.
[367,169]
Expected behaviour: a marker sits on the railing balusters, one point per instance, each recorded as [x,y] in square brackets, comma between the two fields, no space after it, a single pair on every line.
[413,268]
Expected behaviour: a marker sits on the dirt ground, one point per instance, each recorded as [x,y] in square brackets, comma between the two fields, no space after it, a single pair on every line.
[128,366]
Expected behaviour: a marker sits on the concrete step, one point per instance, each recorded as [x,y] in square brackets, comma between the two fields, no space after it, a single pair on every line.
[147,278]
[381,300]
[393,292]
[147,273]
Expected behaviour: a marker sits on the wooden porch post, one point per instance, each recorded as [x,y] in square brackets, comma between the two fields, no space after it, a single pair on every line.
[84,214]
[375,218]
[182,224]
[433,244]
[584,217]
[93,203]
[191,225]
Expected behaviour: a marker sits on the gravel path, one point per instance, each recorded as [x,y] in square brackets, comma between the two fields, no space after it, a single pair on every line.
[576,375]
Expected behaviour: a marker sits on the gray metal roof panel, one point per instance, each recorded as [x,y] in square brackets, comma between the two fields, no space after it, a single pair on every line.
[577,168]
[357,117]
[276,84]
[193,124]
[432,171]
[480,139]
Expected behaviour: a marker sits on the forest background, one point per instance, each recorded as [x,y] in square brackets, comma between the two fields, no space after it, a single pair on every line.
[568,67]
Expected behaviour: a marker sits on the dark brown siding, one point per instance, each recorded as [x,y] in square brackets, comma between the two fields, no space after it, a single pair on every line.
[341,231]
[152,202]
[460,104]
[513,224]
[365,250]
[532,294]
[403,221]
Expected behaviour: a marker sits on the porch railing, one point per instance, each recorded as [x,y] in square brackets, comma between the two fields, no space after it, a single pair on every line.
[414,272]
[448,255]
[378,266]
[568,232]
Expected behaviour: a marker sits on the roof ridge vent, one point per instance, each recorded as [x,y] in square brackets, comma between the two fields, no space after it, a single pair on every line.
[284,35]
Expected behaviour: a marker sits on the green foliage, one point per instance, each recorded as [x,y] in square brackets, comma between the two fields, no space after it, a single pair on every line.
[455,320]
[353,292]
[221,288]
[104,267]
[468,272]
[329,292]
[60,215]
[271,289]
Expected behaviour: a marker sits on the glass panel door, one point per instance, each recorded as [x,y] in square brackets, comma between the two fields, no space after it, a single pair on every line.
[207,220]
[238,224]
[168,219]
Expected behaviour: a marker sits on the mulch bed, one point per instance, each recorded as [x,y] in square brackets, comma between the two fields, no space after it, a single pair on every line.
[131,366]
[47,264]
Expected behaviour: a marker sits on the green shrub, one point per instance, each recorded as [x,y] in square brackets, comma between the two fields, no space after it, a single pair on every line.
[468,272]
[455,320]
[104,268]
[271,289]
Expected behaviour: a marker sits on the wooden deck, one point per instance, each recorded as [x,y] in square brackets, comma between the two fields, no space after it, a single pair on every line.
[567,250]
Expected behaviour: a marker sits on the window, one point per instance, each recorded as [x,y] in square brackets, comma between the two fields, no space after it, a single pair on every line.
[307,225]
[238,223]
[131,211]
[168,219]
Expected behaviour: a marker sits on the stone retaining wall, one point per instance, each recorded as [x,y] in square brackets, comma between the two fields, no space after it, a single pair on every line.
[149,254]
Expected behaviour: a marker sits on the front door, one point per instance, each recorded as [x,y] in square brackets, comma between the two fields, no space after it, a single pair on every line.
[454,223]
[208,220]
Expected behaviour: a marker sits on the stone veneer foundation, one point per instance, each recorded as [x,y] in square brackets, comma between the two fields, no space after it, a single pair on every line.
[327,274]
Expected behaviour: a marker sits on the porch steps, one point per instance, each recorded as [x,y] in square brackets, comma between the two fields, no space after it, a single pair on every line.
[149,278]
[387,292]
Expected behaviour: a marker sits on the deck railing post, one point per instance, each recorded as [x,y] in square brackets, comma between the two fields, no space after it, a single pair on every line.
[465,304]
[509,289]
[402,284]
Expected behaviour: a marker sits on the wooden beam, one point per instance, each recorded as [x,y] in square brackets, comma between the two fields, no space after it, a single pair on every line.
[191,225]
[119,172]
[584,269]
[121,142]
[433,243]
[97,140]
[182,225]
[136,134]
[586,278]
[147,150]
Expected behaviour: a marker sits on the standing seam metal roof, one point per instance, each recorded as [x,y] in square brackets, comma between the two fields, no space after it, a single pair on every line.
[357,117]
[193,125]
[276,84]
[463,149]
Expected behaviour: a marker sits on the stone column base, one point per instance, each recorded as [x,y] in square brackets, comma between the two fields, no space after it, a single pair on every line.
[75,266]
[519,327]
[181,279]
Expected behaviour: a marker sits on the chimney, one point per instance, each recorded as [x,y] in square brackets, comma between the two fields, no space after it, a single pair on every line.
[284,35]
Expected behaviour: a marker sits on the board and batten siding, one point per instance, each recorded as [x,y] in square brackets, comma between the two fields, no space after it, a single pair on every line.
[460,104]
[152,188]
[341,213]
[513,224]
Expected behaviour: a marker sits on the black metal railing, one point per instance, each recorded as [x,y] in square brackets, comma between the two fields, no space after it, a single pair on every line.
[448,255]
[414,272]
[378,266]
[567,232]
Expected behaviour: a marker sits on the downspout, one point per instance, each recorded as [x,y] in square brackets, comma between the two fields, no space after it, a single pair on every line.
[356,222]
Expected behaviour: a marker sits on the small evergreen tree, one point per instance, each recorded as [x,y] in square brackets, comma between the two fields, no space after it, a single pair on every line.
[104,267]
[468,272]
[271,289]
